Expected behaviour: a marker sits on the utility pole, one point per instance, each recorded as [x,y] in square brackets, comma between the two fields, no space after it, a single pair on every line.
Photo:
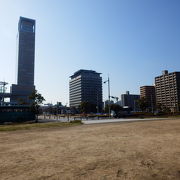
[152,106]
[97,102]
[109,96]
[108,81]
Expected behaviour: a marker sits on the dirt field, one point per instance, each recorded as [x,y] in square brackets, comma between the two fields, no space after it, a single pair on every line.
[137,150]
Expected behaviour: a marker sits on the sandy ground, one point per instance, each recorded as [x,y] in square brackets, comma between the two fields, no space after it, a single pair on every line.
[136,150]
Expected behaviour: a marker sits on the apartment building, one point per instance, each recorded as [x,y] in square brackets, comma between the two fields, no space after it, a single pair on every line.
[167,88]
[148,92]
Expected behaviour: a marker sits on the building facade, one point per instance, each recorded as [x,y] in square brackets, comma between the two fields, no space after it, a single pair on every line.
[85,86]
[130,100]
[148,92]
[168,90]
[25,55]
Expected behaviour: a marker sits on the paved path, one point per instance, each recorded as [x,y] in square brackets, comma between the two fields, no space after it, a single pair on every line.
[119,120]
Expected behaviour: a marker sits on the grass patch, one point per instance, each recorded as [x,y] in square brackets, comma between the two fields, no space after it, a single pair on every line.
[15,127]
[76,122]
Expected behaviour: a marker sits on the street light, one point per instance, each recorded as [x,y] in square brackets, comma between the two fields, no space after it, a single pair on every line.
[108,81]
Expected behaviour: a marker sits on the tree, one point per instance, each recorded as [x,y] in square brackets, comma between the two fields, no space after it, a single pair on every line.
[21,101]
[36,100]
[163,109]
[74,110]
[143,104]
[178,107]
[86,107]
[159,107]
[114,107]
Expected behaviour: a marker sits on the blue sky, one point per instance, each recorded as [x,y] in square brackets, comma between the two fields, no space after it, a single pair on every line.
[131,40]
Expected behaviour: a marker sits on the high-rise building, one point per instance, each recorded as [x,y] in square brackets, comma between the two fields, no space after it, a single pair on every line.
[168,90]
[148,92]
[86,86]
[130,100]
[25,56]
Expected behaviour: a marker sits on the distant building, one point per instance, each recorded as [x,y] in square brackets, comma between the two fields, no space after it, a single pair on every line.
[168,90]
[148,92]
[55,109]
[85,86]
[119,103]
[130,100]
[25,54]
[108,102]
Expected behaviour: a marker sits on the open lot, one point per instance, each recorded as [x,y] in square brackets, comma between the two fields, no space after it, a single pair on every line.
[130,150]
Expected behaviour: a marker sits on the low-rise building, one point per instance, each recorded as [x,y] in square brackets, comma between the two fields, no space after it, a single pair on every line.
[130,100]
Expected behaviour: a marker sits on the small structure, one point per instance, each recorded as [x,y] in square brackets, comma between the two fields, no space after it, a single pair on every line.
[16,114]
[3,93]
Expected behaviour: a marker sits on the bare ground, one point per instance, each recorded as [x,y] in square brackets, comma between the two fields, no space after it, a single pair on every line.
[137,150]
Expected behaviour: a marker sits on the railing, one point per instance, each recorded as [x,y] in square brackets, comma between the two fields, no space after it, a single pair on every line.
[66,117]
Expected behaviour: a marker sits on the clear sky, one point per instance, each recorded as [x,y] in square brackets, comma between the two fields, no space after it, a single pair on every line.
[131,40]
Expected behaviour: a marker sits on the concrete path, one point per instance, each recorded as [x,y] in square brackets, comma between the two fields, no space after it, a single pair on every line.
[119,120]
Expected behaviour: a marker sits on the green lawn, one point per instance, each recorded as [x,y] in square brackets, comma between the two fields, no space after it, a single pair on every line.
[25,126]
